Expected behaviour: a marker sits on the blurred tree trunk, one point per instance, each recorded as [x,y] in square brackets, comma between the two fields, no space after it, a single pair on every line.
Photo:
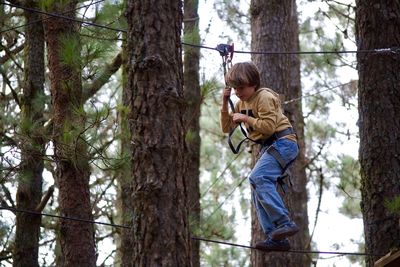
[274,27]
[160,224]
[70,149]
[378,26]
[192,117]
[125,212]
[29,192]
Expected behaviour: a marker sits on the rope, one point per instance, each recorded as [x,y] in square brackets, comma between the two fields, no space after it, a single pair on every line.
[43,19]
[63,17]
[193,237]
[62,217]
[378,50]
[286,251]
[393,50]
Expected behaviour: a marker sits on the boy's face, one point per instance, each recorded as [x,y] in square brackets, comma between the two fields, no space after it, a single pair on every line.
[245,92]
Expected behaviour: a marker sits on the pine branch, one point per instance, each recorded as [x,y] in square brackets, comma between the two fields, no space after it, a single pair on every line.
[45,199]
[91,89]
[7,56]
[7,81]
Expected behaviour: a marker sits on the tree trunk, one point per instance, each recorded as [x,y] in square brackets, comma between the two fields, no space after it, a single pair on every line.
[275,28]
[72,174]
[192,120]
[125,245]
[378,26]
[29,190]
[160,224]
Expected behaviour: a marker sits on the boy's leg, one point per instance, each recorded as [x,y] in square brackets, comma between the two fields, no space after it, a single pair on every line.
[263,217]
[263,179]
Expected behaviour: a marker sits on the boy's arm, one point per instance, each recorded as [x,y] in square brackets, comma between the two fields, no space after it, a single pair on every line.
[225,117]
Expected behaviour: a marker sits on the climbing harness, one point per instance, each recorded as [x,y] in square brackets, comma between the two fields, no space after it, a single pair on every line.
[226,51]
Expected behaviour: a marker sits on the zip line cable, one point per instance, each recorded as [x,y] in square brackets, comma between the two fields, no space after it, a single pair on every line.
[314,94]
[393,50]
[193,237]
[286,251]
[43,19]
[60,16]
[62,217]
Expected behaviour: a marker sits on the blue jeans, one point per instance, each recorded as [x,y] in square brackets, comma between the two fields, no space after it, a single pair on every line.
[270,208]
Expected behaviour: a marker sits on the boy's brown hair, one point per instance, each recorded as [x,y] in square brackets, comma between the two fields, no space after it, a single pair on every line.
[243,74]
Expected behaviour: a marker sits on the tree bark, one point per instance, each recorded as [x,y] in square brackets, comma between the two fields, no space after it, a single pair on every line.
[275,28]
[29,192]
[378,26]
[72,174]
[192,94]
[160,224]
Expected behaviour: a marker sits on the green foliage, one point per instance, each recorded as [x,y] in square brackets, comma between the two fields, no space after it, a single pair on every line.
[209,88]
[49,4]
[112,13]
[189,137]
[393,205]
[226,256]
[320,132]
[349,186]
[46,4]
[237,19]
[39,101]
[70,51]
[192,37]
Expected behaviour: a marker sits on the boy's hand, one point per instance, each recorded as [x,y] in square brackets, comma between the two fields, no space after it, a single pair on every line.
[226,93]
[239,117]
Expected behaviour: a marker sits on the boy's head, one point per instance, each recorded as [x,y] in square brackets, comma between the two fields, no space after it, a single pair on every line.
[243,74]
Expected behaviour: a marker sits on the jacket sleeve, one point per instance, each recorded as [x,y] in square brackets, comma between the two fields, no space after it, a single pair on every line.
[226,121]
[267,109]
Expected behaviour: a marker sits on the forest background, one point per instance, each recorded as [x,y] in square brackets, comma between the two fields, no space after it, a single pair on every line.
[329,103]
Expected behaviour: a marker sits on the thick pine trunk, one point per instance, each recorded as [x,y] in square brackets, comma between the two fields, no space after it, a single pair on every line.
[378,26]
[29,190]
[160,224]
[192,117]
[72,174]
[275,28]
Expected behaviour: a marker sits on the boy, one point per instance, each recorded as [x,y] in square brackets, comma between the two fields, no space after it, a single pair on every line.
[259,109]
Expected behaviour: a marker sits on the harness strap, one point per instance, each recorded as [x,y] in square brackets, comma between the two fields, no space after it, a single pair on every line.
[285,172]
[277,135]
[267,142]
[273,152]
[281,181]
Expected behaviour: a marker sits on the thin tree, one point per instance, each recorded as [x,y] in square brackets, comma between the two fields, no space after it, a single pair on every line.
[378,26]
[70,149]
[282,74]
[32,143]
[125,212]
[193,98]
[160,224]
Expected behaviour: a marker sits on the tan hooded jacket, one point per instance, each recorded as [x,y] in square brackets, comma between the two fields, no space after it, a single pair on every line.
[265,115]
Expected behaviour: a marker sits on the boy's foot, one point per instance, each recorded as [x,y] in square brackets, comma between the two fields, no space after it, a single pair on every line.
[273,245]
[284,231]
